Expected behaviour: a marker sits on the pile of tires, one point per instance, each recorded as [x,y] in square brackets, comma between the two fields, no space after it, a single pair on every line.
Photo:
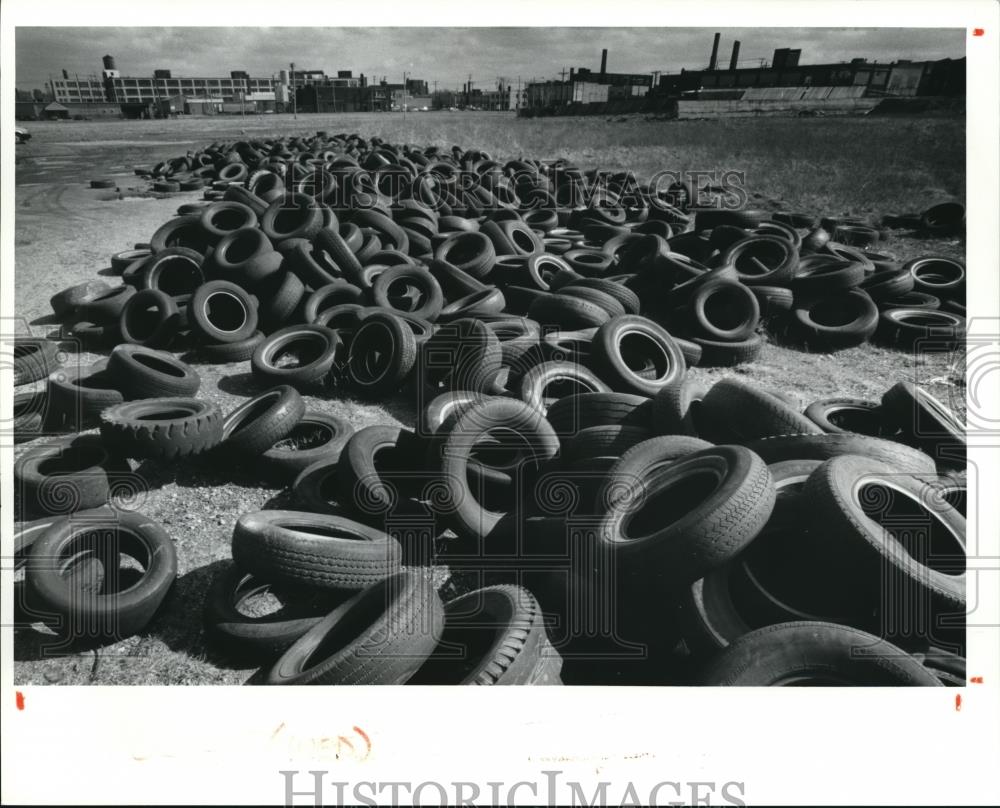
[543,322]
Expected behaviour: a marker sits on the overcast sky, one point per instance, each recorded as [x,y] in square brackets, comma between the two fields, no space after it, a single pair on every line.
[449,55]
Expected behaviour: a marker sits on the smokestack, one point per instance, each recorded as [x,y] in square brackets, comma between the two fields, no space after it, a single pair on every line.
[736,55]
[604,62]
[715,52]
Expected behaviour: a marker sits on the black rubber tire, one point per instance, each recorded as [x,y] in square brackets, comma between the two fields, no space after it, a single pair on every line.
[32,413]
[235,321]
[924,330]
[610,304]
[107,308]
[826,446]
[943,219]
[594,442]
[77,396]
[34,359]
[739,304]
[338,293]
[381,356]
[225,352]
[861,309]
[852,415]
[292,216]
[314,550]
[488,302]
[69,475]
[219,219]
[461,355]
[570,414]
[916,301]
[472,253]
[383,635]
[851,540]
[278,298]
[376,491]
[937,275]
[692,351]
[715,354]
[927,423]
[175,271]
[566,312]
[264,637]
[146,373]
[65,302]
[287,458]
[735,412]
[457,505]
[772,300]
[330,241]
[111,611]
[784,266]
[315,489]
[628,299]
[121,260]
[676,408]
[325,345]
[805,221]
[887,285]
[709,218]
[534,383]
[134,323]
[259,423]
[185,426]
[609,361]
[707,614]
[824,653]
[827,278]
[685,544]
[430,290]
[245,196]
[245,257]
[514,648]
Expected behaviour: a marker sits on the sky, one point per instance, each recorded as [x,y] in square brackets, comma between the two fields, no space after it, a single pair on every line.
[450,55]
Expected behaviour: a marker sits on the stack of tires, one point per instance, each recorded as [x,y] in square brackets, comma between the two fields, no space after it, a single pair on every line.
[543,321]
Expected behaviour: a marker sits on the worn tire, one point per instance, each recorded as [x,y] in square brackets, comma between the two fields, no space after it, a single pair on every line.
[185,426]
[382,635]
[823,653]
[259,423]
[513,650]
[314,550]
[146,373]
[735,412]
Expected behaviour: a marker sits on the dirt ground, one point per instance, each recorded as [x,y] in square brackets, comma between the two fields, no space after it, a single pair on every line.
[65,233]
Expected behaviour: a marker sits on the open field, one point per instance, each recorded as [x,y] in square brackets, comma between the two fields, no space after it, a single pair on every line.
[65,233]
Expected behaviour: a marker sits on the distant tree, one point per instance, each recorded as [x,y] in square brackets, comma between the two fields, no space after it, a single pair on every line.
[38,95]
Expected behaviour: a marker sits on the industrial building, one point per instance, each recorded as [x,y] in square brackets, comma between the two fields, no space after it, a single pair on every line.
[783,86]
[587,87]
[945,77]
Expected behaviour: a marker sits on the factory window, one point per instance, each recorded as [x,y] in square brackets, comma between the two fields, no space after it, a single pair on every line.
[862,76]
[145,82]
[130,82]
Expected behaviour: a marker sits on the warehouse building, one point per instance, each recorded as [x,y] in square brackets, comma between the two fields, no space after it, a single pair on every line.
[117,89]
[585,86]
[945,77]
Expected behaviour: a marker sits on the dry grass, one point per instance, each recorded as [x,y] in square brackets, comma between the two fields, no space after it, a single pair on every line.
[65,233]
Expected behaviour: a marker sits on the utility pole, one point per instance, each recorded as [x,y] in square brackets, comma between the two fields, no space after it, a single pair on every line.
[295,101]
[404,95]
[562,74]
